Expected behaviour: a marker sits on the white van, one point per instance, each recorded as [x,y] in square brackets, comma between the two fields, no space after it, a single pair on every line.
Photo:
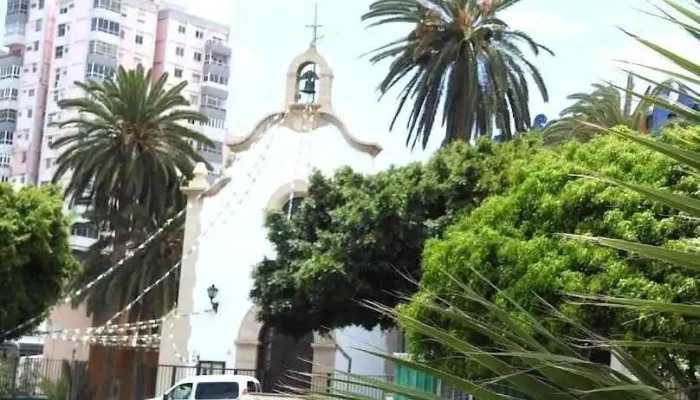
[212,387]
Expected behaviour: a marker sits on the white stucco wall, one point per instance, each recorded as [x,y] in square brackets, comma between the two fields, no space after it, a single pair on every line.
[355,339]
[238,241]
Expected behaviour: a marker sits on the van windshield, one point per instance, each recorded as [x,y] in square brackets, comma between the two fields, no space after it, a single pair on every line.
[216,391]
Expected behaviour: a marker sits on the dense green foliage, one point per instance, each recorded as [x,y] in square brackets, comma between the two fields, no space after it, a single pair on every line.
[458,57]
[358,237]
[512,241]
[35,257]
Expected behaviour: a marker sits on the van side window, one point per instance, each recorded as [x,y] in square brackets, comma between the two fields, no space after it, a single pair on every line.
[216,390]
[250,385]
[181,392]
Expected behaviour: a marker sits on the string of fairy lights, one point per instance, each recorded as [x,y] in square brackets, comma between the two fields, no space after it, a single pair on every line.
[261,159]
[214,221]
[67,299]
[129,334]
[217,220]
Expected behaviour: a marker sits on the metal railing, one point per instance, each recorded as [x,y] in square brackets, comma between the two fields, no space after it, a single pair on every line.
[72,380]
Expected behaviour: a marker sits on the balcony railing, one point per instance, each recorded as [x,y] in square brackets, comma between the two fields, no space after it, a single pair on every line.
[15,29]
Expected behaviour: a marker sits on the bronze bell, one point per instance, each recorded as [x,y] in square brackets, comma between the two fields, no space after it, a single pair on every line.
[310,78]
[309,87]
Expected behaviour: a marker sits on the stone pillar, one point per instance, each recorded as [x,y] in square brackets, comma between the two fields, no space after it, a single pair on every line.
[324,349]
[181,328]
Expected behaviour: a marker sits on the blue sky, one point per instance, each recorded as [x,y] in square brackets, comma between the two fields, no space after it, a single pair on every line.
[267,34]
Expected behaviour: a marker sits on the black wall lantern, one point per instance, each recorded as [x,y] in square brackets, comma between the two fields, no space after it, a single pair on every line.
[212,291]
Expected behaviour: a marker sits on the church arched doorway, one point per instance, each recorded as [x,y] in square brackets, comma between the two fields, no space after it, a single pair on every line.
[281,355]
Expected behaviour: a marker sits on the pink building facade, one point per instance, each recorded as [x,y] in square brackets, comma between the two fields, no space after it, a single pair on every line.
[53,43]
[196,50]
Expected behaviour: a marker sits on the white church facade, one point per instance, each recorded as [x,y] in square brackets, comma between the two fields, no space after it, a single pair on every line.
[266,170]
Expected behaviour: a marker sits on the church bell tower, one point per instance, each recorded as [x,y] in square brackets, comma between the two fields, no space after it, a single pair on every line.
[309,82]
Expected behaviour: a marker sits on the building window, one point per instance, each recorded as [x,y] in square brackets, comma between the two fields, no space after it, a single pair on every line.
[105,25]
[178,72]
[6,137]
[37,25]
[60,51]
[5,160]
[103,48]
[24,157]
[222,80]
[9,94]
[214,102]
[112,5]
[62,29]
[41,4]
[36,45]
[211,367]
[199,34]
[194,100]
[30,113]
[216,149]
[8,115]
[17,7]
[139,39]
[181,29]
[180,51]
[196,78]
[10,72]
[99,71]
[85,230]
[4,179]
[48,163]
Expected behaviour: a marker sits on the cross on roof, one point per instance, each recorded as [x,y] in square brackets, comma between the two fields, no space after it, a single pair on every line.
[315,27]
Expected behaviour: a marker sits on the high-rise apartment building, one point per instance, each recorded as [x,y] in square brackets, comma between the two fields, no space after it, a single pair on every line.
[51,44]
[196,50]
[91,40]
[23,83]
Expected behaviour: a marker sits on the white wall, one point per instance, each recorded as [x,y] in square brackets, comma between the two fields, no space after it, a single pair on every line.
[238,241]
[355,339]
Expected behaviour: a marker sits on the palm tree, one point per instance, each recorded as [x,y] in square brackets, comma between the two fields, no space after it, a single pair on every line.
[129,143]
[138,272]
[128,154]
[605,106]
[462,58]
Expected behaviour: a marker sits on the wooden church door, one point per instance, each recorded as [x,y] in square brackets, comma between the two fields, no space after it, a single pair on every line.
[280,356]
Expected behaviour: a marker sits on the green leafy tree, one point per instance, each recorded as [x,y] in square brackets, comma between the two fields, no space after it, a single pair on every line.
[545,364]
[462,58]
[36,261]
[359,236]
[511,240]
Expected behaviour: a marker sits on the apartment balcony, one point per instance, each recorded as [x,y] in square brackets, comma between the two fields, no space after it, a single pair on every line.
[218,47]
[216,68]
[14,33]
[214,113]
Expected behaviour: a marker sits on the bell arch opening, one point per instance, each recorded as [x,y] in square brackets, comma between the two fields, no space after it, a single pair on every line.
[308,83]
